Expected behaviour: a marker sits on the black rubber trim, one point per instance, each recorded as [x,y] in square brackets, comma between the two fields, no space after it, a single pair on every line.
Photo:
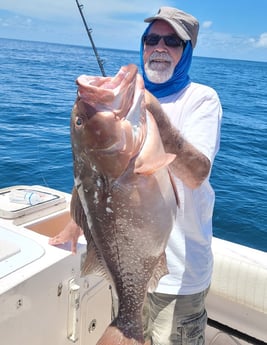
[235,333]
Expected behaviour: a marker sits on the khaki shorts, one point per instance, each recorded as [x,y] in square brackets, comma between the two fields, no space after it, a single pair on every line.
[175,320]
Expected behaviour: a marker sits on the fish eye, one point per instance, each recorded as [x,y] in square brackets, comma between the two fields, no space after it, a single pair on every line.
[78,121]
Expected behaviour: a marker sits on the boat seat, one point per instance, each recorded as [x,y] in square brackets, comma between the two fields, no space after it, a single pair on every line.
[238,293]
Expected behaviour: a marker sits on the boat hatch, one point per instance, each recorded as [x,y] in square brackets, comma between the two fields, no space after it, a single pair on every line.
[25,203]
[16,251]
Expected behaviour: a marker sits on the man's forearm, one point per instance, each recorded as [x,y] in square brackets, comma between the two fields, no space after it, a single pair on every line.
[190,165]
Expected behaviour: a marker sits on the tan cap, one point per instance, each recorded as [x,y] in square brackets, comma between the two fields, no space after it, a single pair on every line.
[185,25]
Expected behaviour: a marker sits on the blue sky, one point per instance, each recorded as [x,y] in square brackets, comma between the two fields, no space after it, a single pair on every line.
[235,29]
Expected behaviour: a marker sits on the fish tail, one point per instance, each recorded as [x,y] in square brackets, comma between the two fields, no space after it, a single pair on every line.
[114,336]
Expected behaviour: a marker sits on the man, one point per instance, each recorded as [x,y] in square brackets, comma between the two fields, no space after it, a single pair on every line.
[175,313]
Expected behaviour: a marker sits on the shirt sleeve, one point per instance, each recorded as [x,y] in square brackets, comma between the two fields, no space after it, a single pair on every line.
[202,119]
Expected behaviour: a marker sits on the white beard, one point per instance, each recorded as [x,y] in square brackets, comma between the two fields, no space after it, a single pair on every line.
[159,67]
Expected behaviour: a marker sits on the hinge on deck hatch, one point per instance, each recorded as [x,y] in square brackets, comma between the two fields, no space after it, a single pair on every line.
[73,313]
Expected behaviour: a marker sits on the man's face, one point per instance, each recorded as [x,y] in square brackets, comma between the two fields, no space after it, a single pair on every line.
[160,59]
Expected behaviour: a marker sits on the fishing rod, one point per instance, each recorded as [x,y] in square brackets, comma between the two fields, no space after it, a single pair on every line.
[89,31]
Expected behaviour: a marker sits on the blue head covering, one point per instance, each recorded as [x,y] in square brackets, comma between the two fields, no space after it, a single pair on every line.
[180,78]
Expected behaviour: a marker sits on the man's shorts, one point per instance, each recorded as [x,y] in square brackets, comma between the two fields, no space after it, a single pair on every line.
[175,320]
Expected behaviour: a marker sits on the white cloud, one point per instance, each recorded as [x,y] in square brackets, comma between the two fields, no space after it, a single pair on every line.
[207,24]
[262,41]
[15,21]
[118,26]
[227,45]
[99,10]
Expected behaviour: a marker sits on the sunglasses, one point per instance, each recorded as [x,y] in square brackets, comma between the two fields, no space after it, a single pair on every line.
[169,40]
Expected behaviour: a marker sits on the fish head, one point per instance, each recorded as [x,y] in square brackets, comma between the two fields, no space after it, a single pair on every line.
[108,120]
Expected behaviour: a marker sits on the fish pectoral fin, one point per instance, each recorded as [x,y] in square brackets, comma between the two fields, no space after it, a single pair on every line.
[153,163]
[159,271]
[152,156]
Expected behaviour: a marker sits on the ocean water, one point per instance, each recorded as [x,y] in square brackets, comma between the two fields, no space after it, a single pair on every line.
[37,94]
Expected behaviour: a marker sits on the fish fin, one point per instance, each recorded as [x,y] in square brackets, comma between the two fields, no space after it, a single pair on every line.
[160,270]
[152,157]
[78,214]
[93,262]
[113,336]
[154,164]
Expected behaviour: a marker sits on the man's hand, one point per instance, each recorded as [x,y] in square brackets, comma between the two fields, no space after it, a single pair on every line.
[71,232]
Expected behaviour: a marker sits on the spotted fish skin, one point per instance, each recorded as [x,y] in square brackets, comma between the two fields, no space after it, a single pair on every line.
[123,196]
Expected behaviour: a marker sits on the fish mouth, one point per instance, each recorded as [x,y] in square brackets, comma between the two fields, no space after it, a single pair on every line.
[114,102]
[109,94]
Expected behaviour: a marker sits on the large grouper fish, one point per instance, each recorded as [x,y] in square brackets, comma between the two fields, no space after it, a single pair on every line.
[123,196]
